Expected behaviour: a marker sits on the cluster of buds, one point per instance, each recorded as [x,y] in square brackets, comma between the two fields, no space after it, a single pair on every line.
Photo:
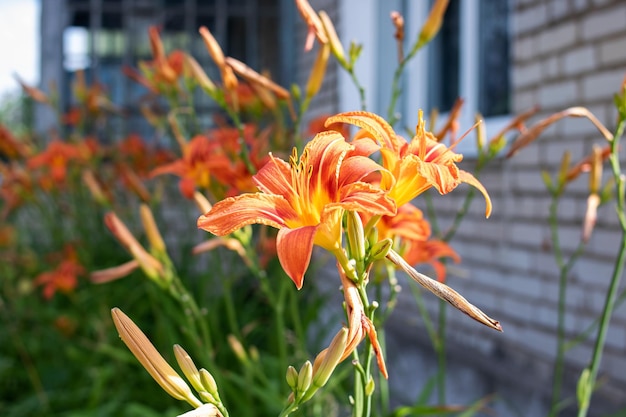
[154,264]
[209,404]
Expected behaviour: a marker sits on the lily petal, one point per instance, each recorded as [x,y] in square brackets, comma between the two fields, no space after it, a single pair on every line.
[468,178]
[294,248]
[235,212]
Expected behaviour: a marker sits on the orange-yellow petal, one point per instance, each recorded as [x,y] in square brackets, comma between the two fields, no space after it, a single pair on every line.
[294,248]
[468,178]
[361,196]
[233,213]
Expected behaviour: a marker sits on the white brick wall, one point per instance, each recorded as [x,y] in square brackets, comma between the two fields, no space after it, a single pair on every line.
[565,53]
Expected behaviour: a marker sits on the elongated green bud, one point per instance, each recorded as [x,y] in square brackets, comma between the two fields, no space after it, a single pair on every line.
[292,378]
[304,377]
[356,235]
[208,382]
[331,359]
[381,249]
[188,367]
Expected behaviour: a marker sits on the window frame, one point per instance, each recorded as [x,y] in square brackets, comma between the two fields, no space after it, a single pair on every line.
[363,17]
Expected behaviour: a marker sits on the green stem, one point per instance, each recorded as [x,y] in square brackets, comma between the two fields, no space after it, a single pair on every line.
[460,215]
[395,84]
[618,269]
[441,353]
[564,268]
[359,88]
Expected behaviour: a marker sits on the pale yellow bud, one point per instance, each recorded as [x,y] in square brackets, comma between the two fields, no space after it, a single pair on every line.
[331,358]
[208,382]
[188,367]
[149,264]
[151,360]
[200,75]
[356,235]
[304,377]
[333,39]
[237,348]
[433,23]
[318,71]
[152,231]
[292,377]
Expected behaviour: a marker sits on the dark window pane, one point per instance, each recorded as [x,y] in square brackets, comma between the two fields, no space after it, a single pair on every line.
[493,64]
[269,53]
[444,80]
[236,33]
[174,22]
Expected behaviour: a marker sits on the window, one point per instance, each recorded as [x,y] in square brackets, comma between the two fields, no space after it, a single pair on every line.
[104,35]
[469,58]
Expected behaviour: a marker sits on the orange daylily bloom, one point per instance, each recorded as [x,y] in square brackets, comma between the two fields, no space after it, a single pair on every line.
[15,187]
[413,231]
[163,71]
[417,165]
[135,153]
[305,200]
[200,159]
[57,156]
[63,278]
[10,146]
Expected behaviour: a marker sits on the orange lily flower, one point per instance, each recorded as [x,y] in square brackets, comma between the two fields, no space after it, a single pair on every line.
[417,165]
[16,186]
[163,71]
[56,158]
[305,200]
[63,278]
[413,231]
[10,146]
[200,159]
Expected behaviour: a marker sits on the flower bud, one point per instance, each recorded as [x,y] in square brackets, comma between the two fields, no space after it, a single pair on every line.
[318,71]
[433,23]
[151,360]
[292,378]
[381,249]
[595,175]
[188,367]
[208,382]
[152,231]
[333,39]
[331,359]
[237,348]
[356,235]
[304,377]
[199,75]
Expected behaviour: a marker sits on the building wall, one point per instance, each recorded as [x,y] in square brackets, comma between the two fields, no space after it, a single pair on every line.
[564,53]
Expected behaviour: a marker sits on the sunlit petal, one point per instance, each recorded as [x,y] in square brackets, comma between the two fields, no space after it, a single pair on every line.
[294,248]
[468,178]
[235,212]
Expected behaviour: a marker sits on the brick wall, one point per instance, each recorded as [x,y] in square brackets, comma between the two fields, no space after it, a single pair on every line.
[565,53]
